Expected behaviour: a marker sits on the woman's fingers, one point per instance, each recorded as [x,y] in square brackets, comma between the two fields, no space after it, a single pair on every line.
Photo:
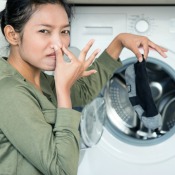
[145,49]
[59,54]
[82,58]
[142,43]
[147,45]
[88,73]
[135,42]
[92,57]
[85,50]
[159,49]
[69,54]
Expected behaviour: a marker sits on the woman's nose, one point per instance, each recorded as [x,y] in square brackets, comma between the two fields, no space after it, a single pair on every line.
[57,42]
[54,47]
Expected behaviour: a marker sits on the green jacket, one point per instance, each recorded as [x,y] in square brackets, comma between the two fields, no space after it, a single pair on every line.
[36,137]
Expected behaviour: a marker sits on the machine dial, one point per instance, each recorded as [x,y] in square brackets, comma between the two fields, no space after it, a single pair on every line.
[142,26]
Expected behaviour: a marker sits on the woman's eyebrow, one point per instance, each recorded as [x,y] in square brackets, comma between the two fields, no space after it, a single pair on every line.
[52,26]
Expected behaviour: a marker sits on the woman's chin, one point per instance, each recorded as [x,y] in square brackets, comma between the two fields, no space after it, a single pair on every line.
[49,69]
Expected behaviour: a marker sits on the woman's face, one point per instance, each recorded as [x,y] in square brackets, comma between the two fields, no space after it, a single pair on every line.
[47,27]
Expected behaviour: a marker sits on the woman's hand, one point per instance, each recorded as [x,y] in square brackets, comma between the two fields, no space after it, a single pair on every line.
[66,73]
[133,43]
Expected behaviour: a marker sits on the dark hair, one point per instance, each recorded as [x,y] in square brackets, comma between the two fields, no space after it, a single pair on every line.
[18,12]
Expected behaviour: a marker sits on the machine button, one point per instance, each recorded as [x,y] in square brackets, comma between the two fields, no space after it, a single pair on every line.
[142,26]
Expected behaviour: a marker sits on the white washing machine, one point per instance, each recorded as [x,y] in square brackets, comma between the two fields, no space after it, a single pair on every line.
[124,149]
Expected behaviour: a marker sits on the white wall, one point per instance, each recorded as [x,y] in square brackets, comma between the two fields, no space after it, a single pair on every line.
[3,43]
[2,4]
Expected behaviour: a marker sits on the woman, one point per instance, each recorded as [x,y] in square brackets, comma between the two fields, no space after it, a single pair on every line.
[38,127]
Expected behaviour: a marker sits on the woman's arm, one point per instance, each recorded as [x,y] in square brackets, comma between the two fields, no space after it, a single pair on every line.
[46,136]
[85,89]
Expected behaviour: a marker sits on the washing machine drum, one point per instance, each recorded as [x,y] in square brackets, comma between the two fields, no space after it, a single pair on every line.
[166,107]
[121,116]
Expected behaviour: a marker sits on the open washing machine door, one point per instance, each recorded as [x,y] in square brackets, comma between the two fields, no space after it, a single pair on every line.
[126,146]
[121,114]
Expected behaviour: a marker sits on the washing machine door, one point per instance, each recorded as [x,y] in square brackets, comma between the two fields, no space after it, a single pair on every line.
[121,115]
[91,124]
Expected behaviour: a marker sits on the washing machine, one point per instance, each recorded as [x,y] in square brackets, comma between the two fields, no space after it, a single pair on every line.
[127,147]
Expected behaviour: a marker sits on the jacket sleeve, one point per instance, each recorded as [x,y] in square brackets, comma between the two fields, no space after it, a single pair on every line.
[52,150]
[87,88]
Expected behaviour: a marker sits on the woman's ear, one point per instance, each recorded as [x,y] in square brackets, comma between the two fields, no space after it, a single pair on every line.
[11,35]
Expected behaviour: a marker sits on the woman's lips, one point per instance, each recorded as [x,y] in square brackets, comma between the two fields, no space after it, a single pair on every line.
[52,55]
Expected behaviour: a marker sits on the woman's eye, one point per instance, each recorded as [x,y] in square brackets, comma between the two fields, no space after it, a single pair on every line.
[44,31]
[67,32]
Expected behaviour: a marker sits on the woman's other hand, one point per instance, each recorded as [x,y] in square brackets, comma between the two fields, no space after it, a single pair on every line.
[133,43]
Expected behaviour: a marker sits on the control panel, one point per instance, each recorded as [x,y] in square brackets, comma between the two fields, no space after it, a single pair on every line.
[103,23]
[142,24]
